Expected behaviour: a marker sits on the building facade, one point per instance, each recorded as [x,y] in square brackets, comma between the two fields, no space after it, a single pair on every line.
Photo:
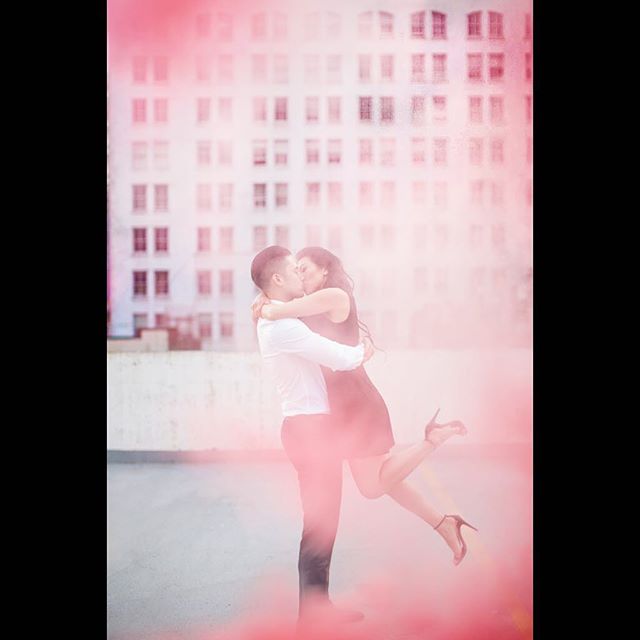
[396,134]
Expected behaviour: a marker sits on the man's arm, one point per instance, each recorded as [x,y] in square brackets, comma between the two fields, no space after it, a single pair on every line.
[293,336]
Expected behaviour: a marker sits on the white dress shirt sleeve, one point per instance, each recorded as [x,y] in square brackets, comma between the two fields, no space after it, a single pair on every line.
[294,337]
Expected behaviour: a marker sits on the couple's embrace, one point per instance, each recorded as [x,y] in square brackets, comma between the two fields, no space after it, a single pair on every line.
[309,336]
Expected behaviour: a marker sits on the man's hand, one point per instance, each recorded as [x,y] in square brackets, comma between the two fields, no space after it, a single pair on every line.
[256,306]
[368,349]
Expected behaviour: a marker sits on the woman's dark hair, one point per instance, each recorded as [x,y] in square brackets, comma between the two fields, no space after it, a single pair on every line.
[336,275]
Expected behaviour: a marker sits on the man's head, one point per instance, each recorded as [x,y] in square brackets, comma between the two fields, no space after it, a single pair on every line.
[275,271]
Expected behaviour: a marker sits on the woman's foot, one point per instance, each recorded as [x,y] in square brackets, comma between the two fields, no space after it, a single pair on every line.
[448,529]
[436,433]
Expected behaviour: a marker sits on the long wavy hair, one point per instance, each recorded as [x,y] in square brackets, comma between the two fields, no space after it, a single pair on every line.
[336,276]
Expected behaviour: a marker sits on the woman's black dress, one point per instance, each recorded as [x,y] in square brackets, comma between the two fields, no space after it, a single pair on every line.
[359,413]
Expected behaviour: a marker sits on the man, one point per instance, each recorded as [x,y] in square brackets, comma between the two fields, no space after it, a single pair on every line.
[293,354]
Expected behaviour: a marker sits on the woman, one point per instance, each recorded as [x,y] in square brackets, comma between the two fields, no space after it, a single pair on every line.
[363,427]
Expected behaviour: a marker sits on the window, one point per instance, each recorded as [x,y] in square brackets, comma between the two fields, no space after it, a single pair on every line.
[203,69]
[204,153]
[418,151]
[419,193]
[417,110]
[259,195]
[387,152]
[386,67]
[498,237]
[475,151]
[313,194]
[282,236]
[497,151]
[281,151]
[203,197]
[386,24]
[282,195]
[161,110]
[259,109]
[475,109]
[203,109]
[160,69]
[161,154]
[334,25]
[496,109]
[139,197]
[335,151]
[420,279]
[139,283]
[440,195]
[259,238]
[312,68]
[366,236]
[388,234]
[495,25]
[476,280]
[365,24]
[226,325]
[334,69]
[477,191]
[335,239]
[499,278]
[474,66]
[388,194]
[496,66]
[139,109]
[162,283]
[442,236]
[281,109]
[418,29]
[259,26]
[259,152]
[161,197]
[439,108]
[205,321]
[140,321]
[312,109]
[225,68]
[314,235]
[225,152]
[280,27]
[366,109]
[528,72]
[226,239]
[364,68]
[439,67]
[439,23]
[281,69]
[224,109]
[418,68]
[474,24]
[440,151]
[204,239]
[528,27]
[225,27]
[312,148]
[139,240]
[333,107]
[366,151]
[161,321]
[529,107]
[335,195]
[419,237]
[497,194]
[312,26]
[139,70]
[226,282]
[225,197]
[161,238]
[366,194]
[204,283]
[139,155]
[259,68]
[386,109]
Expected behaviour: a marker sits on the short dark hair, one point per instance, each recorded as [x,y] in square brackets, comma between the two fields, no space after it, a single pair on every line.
[266,263]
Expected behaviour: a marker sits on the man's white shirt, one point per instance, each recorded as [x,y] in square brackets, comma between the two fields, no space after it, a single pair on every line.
[293,354]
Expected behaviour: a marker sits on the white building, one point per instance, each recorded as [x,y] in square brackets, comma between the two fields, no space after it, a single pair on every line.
[397,134]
